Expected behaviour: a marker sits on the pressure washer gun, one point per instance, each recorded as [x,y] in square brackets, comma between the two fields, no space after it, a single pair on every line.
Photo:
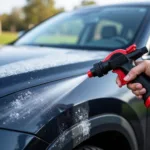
[121,62]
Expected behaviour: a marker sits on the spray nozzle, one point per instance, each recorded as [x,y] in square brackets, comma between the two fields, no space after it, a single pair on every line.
[116,60]
[99,69]
[121,62]
[90,74]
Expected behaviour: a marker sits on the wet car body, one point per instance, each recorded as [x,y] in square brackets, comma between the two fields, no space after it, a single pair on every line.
[40,110]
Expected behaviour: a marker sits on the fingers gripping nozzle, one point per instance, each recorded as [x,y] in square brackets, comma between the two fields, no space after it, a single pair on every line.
[121,62]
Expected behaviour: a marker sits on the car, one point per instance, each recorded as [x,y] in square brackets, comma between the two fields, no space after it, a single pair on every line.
[46,100]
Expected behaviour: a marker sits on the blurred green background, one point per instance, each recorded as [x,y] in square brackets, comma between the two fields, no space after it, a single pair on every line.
[7,37]
[27,16]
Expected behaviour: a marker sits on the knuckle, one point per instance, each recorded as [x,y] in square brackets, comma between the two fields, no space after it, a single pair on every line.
[146,62]
[136,93]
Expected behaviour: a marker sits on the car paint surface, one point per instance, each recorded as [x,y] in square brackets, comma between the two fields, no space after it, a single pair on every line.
[18,141]
[42,101]
[35,109]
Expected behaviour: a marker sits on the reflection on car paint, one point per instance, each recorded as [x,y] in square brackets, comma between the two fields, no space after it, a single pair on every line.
[28,102]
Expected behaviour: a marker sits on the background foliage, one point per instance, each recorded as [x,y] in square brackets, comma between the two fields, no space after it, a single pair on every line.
[33,13]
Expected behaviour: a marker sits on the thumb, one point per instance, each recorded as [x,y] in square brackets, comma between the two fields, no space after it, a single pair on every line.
[141,67]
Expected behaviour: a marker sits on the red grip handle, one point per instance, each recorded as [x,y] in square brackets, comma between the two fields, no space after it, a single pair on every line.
[147,103]
[121,76]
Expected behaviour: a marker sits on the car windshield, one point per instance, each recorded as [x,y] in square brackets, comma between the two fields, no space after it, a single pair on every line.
[111,27]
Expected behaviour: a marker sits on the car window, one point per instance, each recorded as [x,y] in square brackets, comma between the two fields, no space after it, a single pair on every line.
[66,33]
[106,28]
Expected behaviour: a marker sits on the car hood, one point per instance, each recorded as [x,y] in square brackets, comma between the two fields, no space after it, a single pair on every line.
[23,67]
[16,60]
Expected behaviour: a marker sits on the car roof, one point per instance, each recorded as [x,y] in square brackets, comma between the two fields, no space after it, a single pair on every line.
[93,7]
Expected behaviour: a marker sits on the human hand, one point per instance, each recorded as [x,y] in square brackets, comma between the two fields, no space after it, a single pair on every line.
[137,88]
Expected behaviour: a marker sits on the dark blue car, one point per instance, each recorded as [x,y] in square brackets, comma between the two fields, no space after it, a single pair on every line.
[46,100]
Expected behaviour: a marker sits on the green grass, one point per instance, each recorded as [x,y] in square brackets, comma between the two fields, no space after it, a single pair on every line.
[7,37]
[57,39]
